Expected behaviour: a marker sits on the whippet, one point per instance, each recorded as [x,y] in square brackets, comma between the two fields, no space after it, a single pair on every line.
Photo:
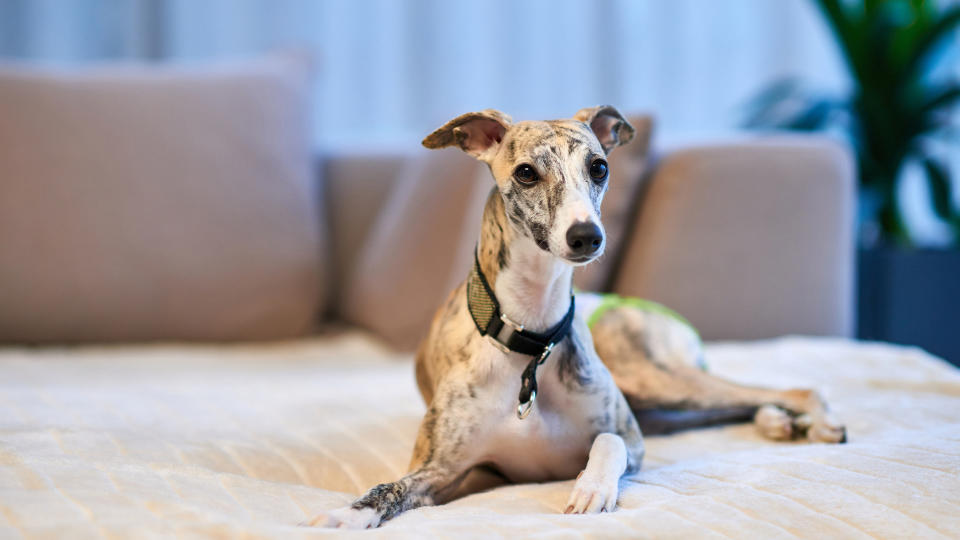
[578,416]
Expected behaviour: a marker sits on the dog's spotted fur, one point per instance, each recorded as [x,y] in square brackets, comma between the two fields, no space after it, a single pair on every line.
[594,387]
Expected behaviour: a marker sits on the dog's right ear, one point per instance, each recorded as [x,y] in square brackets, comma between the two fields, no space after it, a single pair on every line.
[478,133]
[606,122]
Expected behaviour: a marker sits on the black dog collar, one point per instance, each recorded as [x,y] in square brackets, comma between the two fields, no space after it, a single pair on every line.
[511,336]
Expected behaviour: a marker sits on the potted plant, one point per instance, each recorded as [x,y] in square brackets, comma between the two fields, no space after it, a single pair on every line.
[897,113]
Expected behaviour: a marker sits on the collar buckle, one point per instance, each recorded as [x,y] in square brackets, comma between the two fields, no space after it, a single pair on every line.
[507,321]
[502,338]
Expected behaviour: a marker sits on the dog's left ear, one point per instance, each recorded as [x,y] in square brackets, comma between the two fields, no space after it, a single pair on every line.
[477,133]
[610,127]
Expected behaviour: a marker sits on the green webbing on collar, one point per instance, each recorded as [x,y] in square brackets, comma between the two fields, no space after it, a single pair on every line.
[611,301]
[480,302]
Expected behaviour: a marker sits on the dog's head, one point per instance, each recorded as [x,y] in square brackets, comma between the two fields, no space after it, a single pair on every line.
[552,175]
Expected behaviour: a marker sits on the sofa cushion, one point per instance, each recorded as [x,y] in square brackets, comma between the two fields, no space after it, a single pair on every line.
[749,239]
[418,247]
[148,203]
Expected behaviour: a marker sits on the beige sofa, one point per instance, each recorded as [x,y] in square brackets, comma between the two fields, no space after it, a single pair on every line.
[206,325]
[156,204]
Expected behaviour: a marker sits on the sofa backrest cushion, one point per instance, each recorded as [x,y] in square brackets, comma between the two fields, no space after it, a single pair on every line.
[748,239]
[158,203]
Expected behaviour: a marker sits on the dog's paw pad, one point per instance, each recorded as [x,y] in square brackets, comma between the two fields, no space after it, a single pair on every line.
[774,423]
[828,430]
[345,518]
[592,495]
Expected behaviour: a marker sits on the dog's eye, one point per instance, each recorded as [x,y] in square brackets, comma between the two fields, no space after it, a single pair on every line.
[525,174]
[599,170]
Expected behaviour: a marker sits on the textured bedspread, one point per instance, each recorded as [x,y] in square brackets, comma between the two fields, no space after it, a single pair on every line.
[230,441]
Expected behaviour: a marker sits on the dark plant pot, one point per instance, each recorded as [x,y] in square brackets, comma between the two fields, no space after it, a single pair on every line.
[911,297]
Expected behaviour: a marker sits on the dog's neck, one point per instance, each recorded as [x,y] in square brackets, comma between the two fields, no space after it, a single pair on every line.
[532,285]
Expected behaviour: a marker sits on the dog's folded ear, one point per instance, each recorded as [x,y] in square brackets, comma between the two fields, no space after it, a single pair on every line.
[610,127]
[476,133]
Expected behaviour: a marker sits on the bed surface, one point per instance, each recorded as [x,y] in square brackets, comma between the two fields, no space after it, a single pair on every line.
[249,440]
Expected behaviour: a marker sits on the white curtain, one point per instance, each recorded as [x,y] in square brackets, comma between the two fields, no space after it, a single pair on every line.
[391,70]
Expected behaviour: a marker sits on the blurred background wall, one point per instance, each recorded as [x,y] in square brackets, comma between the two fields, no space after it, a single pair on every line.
[392,70]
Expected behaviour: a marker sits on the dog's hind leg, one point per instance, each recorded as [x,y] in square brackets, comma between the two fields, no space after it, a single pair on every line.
[778,414]
[666,421]
[659,381]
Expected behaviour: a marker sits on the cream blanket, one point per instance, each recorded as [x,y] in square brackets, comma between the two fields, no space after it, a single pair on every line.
[248,440]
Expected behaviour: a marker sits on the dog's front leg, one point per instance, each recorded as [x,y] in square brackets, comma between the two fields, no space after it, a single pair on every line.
[387,500]
[598,484]
[441,459]
[616,451]
[611,456]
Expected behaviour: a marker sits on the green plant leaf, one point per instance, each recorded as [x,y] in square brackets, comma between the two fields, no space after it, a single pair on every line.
[940,188]
[928,113]
[942,97]
[925,43]
[766,108]
[775,92]
[786,105]
[922,12]
[871,6]
[813,117]
[848,29]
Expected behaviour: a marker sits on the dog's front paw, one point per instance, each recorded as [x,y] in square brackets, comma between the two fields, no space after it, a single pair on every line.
[346,518]
[592,494]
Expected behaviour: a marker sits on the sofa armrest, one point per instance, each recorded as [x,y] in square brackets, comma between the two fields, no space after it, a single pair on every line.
[749,239]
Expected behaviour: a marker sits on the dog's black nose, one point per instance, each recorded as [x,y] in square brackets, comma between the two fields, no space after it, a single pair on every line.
[584,238]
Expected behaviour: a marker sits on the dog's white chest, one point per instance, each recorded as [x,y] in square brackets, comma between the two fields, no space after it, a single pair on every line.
[535,449]
[553,442]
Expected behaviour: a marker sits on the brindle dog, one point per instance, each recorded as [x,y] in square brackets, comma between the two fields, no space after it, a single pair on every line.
[541,220]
